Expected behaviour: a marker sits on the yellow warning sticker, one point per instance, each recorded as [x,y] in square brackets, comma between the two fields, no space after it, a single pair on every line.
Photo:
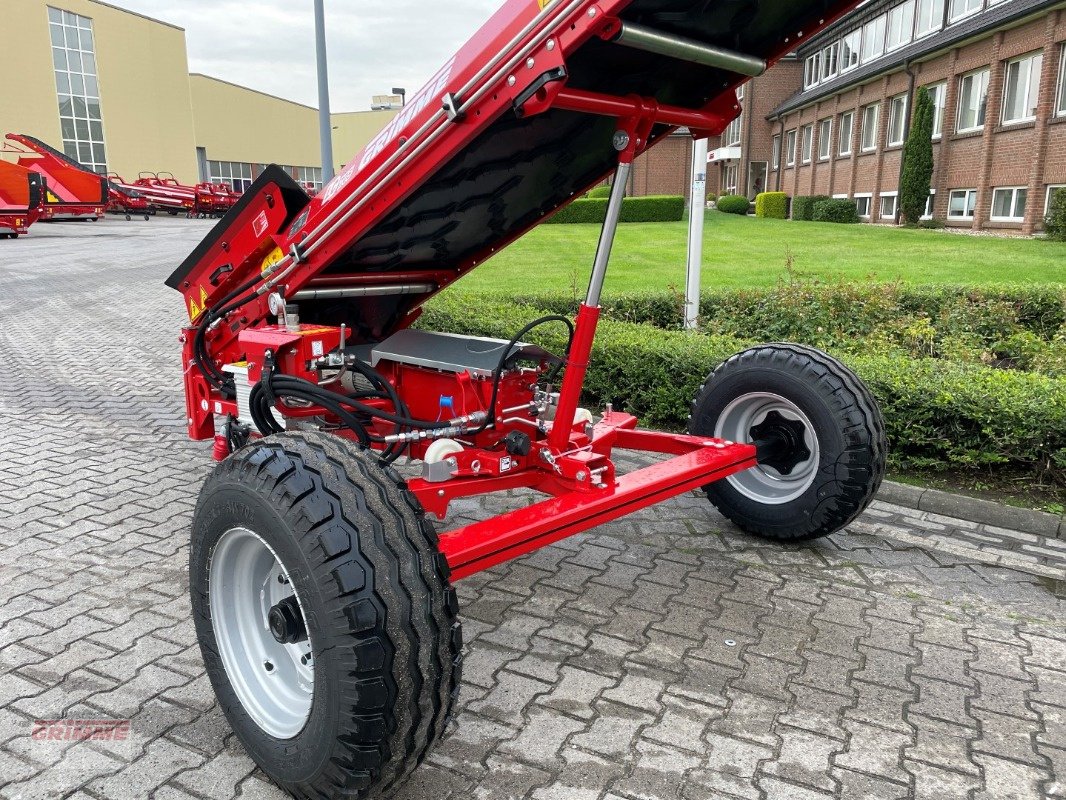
[273,258]
[50,197]
[197,308]
[543,4]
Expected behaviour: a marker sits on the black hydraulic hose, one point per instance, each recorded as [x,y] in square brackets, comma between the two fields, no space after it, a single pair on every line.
[490,418]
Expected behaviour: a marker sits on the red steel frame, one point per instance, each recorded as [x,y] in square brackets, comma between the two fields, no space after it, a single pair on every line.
[71,191]
[493,71]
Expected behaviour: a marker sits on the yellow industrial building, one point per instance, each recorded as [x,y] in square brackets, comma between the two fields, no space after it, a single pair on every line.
[112,89]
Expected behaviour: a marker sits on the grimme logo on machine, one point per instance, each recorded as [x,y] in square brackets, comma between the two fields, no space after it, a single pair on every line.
[432,90]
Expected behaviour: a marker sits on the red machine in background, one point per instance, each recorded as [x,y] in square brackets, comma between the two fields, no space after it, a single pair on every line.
[321,594]
[163,192]
[124,200]
[21,199]
[215,199]
[71,191]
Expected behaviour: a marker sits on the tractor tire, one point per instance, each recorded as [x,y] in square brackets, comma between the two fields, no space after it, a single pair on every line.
[828,436]
[324,614]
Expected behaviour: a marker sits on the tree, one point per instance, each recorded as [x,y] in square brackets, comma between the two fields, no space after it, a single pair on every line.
[1055,221]
[917,160]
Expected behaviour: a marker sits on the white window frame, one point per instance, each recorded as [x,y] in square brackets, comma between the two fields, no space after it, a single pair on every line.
[775,151]
[1013,204]
[899,101]
[930,202]
[869,205]
[790,148]
[940,97]
[810,73]
[853,42]
[968,9]
[985,73]
[731,136]
[899,30]
[1047,194]
[876,123]
[825,139]
[965,204]
[844,143]
[1032,63]
[881,198]
[830,61]
[1060,90]
[77,82]
[874,29]
[931,21]
[731,178]
[807,143]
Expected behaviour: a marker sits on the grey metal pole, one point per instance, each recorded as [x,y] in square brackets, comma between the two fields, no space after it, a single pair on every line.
[325,126]
[610,225]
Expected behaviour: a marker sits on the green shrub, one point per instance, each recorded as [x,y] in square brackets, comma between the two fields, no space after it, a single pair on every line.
[1055,221]
[652,208]
[733,204]
[773,205]
[803,206]
[839,210]
[599,191]
[710,197]
[938,414]
[917,170]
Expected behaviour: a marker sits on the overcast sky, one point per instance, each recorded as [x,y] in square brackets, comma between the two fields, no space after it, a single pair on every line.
[269,45]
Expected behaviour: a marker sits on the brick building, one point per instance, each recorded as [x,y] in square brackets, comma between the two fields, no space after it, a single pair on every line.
[831,119]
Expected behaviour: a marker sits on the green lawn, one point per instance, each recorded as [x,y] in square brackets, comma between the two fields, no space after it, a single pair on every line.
[745,251]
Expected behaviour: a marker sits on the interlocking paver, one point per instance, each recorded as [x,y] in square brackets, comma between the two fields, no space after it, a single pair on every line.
[665,655]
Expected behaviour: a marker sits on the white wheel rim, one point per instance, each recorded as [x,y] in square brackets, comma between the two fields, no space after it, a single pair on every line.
[274,681]
[762,483]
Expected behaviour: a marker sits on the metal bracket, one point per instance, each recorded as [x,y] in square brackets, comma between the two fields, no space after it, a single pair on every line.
[451,106]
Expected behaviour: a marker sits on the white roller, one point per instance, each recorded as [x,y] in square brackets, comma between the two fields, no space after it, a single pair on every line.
[441,449]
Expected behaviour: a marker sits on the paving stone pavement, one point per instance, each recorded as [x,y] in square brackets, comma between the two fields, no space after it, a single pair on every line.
[662,656]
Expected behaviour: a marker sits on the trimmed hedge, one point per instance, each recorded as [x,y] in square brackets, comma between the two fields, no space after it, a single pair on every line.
[733,204]
[599,191]
[938,414]
[651,208]
[1055,221]
[803,206]
[772,205]
[838,210]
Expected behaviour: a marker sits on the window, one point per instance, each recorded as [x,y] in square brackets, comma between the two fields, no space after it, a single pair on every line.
[790,148]
[961,203]
[888,205]
[825,139]
[930,17]
[808,136]
[897,120]
[730,179]
[862,205]
[869,127]
[238,175]
[775,151]
[928,213]
[1009,204]
[829,61]
[309,175]
[963,8]
[1060,105]
[900,25]
[1021,88]
[1050,191]
[731,137]
[849,50]
[78,90]
[873,39]
[810,73]
[973,92]
[740,92]
[938,94]
[844,134]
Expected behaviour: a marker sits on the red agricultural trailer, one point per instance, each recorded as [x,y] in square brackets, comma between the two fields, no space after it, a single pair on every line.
[124,200]
[21,199]
[215,199]
[321,594]
[71,191]
[163,192]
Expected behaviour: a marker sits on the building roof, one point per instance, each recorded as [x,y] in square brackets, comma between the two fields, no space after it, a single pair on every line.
[987,21]
[137,14]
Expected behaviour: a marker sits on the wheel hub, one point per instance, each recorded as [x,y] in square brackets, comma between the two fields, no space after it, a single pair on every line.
[779,442]
[286,622]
